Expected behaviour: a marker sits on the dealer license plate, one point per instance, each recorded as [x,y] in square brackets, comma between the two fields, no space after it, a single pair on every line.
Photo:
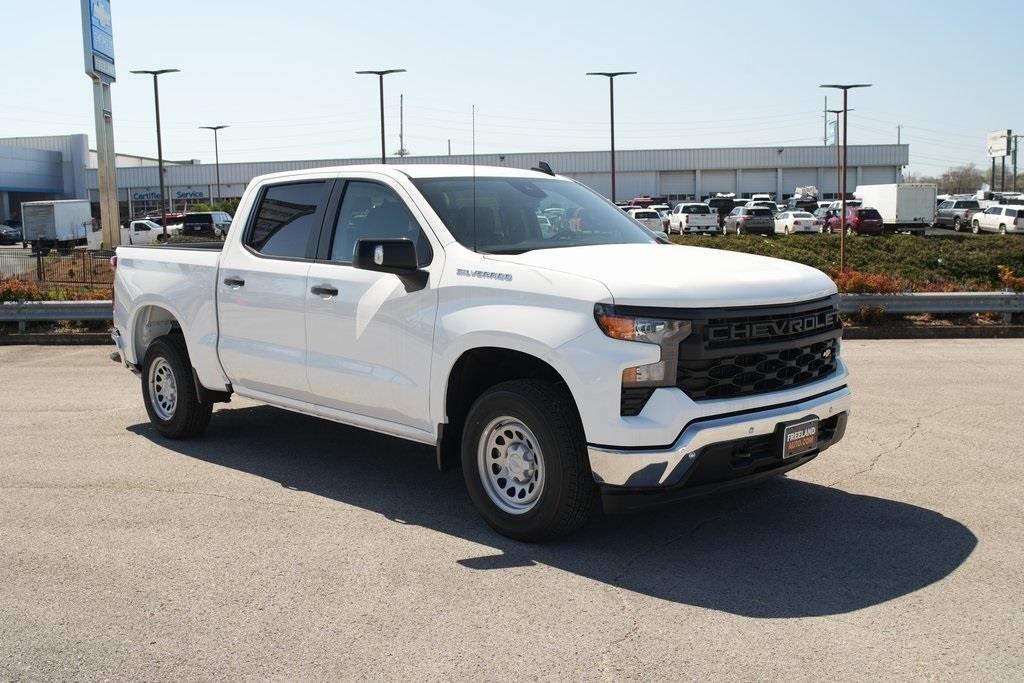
[799,438]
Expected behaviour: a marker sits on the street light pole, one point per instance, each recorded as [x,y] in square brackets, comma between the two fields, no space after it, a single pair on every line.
[380,79]
[610,75]
[216,153]
[159,143]
[846,125]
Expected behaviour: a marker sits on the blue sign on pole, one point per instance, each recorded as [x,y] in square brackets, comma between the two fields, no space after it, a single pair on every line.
[98,39]
[102,29]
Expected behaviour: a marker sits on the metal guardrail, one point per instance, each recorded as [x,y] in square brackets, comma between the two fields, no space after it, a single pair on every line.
[935,302]
[1006,303]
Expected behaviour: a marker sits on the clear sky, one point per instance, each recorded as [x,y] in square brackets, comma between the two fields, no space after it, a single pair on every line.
[710,74]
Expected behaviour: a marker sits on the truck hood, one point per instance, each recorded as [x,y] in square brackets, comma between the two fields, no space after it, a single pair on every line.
[683,277]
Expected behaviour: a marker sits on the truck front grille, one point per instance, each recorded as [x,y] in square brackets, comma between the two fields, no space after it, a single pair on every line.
[747,374]
[734,353]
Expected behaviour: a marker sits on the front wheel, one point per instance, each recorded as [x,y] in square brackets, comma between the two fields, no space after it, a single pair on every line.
[524,460]
[975,227]
[956,224]
[169,390]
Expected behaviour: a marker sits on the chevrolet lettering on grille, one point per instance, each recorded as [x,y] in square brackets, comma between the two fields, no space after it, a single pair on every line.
[786,327]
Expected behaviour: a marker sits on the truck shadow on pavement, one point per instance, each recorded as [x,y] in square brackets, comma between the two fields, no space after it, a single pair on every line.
[784,549]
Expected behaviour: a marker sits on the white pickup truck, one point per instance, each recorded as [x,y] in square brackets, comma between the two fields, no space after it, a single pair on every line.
[564,368]
[687,217]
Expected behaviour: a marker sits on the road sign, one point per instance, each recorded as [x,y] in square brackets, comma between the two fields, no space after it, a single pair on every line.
[98,39]
[997,143]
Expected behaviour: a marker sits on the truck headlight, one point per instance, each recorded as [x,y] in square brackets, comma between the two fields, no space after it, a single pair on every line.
[638,328]
[663,332]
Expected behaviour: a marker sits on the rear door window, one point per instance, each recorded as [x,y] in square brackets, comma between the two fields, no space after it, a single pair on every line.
[287,222]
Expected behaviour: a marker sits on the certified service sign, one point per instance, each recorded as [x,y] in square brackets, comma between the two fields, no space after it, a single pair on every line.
[98,39]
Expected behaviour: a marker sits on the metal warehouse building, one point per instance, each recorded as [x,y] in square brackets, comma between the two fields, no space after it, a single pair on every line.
[58,166]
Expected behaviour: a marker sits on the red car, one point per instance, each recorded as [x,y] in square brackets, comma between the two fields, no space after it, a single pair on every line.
[859,219]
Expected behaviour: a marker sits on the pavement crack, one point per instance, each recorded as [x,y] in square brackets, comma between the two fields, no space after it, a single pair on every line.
[877,457]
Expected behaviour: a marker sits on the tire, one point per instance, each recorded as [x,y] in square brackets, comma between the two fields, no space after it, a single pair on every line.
[552,489]
[1002,229]
[975,227]
[169,390]
[849,232]
[956,223]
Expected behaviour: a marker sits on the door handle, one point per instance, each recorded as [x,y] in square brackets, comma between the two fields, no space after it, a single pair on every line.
[323,290]
[234,282]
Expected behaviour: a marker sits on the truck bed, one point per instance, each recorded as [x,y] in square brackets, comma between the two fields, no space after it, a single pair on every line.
[177,279]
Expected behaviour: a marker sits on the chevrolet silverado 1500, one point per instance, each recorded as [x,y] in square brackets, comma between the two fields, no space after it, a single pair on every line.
[562,364]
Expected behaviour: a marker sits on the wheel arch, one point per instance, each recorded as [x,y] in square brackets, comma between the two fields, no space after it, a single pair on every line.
[473,372]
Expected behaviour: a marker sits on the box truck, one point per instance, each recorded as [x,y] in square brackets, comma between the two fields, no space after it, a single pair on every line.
[56,223]
[906,207]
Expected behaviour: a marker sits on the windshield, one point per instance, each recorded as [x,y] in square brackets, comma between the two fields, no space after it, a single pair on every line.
[801,214]
[505,220]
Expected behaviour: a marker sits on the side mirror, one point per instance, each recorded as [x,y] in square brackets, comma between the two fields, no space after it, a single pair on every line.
[391,255]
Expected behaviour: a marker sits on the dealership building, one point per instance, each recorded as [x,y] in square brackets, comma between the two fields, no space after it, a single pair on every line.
[63,167]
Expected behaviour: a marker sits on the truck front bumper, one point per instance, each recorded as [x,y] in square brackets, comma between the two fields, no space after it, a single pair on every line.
[714,453]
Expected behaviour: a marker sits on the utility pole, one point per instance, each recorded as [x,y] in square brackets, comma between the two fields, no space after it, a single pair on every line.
[159,144]
[216,153]
[610,75]
[899,130]
[380,78]
[825,118]
[449,146]
[1013,141]
[846,125]
[402,151]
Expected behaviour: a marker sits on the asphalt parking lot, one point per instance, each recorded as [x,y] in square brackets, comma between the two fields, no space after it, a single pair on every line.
[280,546]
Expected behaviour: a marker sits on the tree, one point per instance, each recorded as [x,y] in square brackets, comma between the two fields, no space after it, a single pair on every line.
[961,179]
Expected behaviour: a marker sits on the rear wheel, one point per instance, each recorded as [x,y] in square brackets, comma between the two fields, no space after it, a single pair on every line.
[524,460]
[169,390]
[1002,229]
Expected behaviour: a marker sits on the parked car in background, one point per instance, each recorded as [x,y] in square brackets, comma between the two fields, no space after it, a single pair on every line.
[649,218]
[145,232]
[789,222]
[836,205]
[756,220]
[690,217]
[1001,219]
[214,223]
[802,203]
[9,235]
[956,213]
[766,203]
[823,213]
[860,220]
[722,206]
